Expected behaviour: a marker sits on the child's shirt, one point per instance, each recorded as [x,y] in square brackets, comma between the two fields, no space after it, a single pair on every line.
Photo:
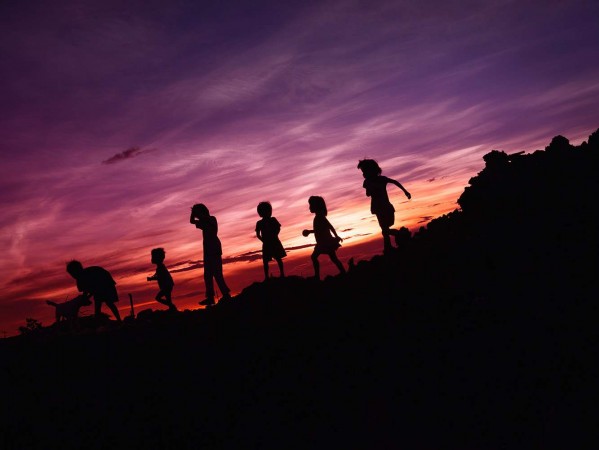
[269,228]
[98,282]
[325,241]
[164,278]
[211,242]
[376,189]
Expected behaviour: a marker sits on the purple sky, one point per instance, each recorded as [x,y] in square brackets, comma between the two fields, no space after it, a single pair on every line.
[117,116]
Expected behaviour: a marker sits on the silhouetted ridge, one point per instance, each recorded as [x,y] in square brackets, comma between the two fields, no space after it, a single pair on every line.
[479,331]
[522,216]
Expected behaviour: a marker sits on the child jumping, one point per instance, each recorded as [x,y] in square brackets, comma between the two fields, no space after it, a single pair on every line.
[165,281]
[267,230]
[326,243]
[213,261]
[376,188]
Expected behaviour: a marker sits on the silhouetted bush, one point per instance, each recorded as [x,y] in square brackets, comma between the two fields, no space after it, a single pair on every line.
[32,325]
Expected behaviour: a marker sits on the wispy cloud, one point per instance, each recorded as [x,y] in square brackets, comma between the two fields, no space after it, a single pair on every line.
[130,153]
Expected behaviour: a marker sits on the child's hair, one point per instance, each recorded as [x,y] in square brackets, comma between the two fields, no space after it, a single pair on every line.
[74,267]
[369,167]
[199,209]
[264,209]
[317,205]
[158,254]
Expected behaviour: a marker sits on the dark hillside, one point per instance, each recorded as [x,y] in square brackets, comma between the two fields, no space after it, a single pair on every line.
[480,332]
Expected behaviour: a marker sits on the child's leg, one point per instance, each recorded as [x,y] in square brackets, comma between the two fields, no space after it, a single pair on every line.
[386,219]
[208,280]
[397,236]
[386,239]
[114,310]
[97,307]
[336,261]
[265,264]
[316,265]
[280,263]
[159,299]
[220,279]
[168,300]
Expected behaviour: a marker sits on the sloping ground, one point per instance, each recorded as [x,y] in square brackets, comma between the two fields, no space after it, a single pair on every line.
[479,333]
[307,370]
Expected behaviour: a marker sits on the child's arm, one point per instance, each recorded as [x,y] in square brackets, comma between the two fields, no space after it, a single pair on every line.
[153,277]
[333,230]
[365,186]
[277,225]
[258,233]
[306,233]
[81,288]
[205,223]
[398,184]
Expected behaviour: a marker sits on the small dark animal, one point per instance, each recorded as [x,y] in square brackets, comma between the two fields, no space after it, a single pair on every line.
[69,310]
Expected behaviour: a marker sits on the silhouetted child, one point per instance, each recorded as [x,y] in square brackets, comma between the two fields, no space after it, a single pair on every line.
[97,282]
[213,261]
[267,230]
[376,188]
[165,281]
[326,243]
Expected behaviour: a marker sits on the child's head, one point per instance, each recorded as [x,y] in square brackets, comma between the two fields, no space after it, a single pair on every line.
[74,268]
[158,255]
[264,209]
[369,168]
[317,205]
[200,210]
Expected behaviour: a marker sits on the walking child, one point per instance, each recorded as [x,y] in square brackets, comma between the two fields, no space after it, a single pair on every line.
[213,261]
[267,230]
[376,188]
[326,243]
[165,281]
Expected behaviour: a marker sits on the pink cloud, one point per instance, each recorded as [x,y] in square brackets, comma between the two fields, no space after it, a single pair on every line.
[131,152]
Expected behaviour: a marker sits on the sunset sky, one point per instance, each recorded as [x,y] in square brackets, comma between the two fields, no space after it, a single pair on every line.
[116,117]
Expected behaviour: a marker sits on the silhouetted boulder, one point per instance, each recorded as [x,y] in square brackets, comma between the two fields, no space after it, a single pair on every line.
[559,144]
[593,141]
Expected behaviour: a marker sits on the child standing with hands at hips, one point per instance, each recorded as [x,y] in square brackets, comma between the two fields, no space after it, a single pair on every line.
[163,276]
[376,188]
[326,243]
[213,261]
[267,230]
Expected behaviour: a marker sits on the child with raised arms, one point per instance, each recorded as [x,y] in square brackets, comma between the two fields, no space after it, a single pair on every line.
[375,185]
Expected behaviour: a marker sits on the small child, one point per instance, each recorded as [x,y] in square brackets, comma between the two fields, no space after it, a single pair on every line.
[376,188]
[97,282]
[213,260]
[325,242]
[165,281]
[267,230]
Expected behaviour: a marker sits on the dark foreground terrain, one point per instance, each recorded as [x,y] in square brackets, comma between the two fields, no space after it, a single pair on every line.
[481,332]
